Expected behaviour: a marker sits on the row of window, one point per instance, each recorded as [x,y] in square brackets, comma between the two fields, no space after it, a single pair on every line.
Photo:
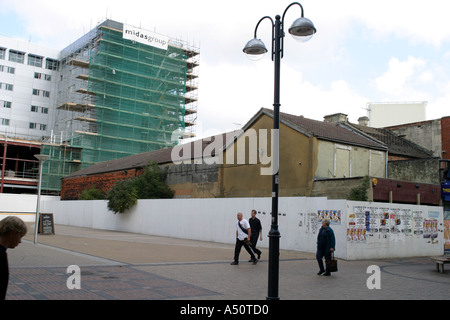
[44,93]
[36,92]
[5,104]
[6,86]
[7,69]
[8,105]
[44,110]
[33,60]
[32,125]
[37,109]
[43,76]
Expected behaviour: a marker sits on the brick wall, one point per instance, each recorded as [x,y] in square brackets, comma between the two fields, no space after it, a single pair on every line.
[445,131]
[71,188]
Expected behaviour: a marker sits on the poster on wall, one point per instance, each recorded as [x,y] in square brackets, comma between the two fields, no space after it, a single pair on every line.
[357,221]
[447,236]
[333,215]
[417,223]
[430,230]
[394,224]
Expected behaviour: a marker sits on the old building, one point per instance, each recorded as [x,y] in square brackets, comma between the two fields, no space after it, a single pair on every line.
[238,164]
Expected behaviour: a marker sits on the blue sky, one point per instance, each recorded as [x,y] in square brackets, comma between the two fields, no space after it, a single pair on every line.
[364,51]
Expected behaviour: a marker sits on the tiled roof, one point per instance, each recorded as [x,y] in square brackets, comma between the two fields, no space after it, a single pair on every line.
[344,133]
[397,145]
[141,160]
[330,131]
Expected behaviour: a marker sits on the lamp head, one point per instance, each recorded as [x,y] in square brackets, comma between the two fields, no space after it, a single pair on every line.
[41,157]
[302,29]
[255,49]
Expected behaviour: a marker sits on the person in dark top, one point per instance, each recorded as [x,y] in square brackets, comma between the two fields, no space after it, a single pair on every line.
[12,229]
[256,227]
[326,243]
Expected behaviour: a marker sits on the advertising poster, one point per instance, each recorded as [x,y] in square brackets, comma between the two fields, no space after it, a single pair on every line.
[417,223]
[430,230]
[333,215]
[447,236]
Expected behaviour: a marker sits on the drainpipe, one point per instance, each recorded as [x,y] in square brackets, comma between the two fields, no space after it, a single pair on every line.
[387,160]
[3,166]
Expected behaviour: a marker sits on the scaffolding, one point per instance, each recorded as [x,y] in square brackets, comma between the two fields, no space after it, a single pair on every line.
[119,98]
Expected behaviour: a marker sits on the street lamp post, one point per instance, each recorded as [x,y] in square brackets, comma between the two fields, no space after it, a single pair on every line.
[41,158]
[301,29]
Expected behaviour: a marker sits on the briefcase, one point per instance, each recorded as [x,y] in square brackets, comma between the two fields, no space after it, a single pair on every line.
[332,264]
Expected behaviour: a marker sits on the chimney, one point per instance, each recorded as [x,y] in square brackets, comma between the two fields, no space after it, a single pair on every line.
[363,121]
[337,117]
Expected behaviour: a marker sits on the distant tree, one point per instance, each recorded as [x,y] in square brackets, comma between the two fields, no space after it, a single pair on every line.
[92,194]
[122,196]
[360,193]
[151,184]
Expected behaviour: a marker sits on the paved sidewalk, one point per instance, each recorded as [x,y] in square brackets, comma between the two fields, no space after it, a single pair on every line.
[127,266]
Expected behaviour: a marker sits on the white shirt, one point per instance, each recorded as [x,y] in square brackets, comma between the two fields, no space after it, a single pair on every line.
[241,235]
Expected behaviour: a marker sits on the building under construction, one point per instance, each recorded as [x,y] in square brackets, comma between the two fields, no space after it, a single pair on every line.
[119,96]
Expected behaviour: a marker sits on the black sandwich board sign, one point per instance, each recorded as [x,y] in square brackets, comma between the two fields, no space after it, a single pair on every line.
[46,224]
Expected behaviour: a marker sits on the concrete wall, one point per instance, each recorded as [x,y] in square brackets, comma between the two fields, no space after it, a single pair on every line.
[418,170]
[22,206]
[363,230]
[426,134]
[194,180]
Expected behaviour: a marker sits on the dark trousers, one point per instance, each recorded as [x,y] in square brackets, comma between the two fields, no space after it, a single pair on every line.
[320,254]
[238,247]
[254,241]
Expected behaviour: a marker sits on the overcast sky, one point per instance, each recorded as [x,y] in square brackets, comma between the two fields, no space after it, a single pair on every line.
[364,51]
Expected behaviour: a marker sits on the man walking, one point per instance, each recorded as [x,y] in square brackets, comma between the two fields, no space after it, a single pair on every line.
[243,234]
[256,228]
[326,243]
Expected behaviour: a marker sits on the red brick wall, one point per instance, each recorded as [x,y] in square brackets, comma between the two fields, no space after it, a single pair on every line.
[71,188]
[445,132]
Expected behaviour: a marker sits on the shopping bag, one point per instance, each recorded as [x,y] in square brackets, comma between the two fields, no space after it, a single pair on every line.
[332,264]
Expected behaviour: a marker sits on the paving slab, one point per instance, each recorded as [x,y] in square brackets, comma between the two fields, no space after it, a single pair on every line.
[126,266]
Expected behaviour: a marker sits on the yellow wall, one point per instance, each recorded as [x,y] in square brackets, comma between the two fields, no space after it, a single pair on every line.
[298,162]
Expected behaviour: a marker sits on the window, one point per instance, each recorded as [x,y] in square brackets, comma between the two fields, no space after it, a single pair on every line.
[51,64]
[44,110]
[34,60]
[36,92]
[32,125]
[5,122]
[10,70]
[6,86]
[2,53]
[43,127]
[5,104]
[46,94]
[16,56]
[34,108]
[44,76]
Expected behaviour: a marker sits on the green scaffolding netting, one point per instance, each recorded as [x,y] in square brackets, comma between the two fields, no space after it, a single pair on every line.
[138,92]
